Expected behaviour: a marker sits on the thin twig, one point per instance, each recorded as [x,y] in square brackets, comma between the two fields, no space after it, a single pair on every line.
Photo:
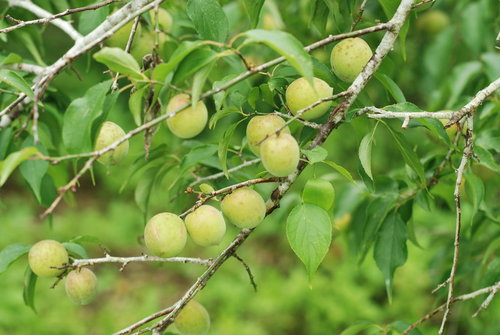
[77,263]
[360,14]
[133,31]
[47,19]
[229,189]
[247,268]
[467,153]
[40,12]
[218,175]
[468,296]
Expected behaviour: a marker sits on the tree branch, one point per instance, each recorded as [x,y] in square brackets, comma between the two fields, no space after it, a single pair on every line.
[40,12]
[77,263]
[47,19]
[333,121]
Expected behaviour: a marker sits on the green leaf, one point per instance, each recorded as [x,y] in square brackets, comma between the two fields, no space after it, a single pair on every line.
[343,171]
[391,86]
[119,61]
[34,171]
[475,190]
[135,105]
[401,326]
[462,75]
[472,28]
[319,192]
[85,239]
[89,20]
[11,59]
[144,188]
[11,253]
[193,63]
[29,288]
[13,79]
[209,19]
[161,72]
[320,13]
[390,250]
[253,8]
[316,155]
[196,155]
[78,118]
[198,81]
[224,145]
[358,327]
[485,159]
[389,7]
[8,165]
[75,249]
[365,154]
[5,138]
[286,45]
[436,127]
[408,154]
[492,65]
[309,232]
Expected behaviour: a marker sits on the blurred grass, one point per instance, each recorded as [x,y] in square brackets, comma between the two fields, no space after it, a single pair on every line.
[341,293]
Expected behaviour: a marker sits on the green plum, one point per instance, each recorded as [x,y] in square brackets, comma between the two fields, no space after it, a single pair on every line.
[81,286]
[190,121]
[280,154]
[165,235]
[432,22]
[349,57]
[244,208]
[193,319]
[206,226]
[260,126]
[300,94]
[45,255]
[108,134]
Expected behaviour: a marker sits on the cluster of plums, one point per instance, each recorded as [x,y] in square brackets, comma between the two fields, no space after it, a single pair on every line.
[278,150]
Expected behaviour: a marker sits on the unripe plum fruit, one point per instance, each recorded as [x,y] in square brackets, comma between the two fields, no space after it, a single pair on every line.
[433,22]
[120,38]
[280,154]
[319,192]
[193,319]
[165,235]
[300,94]
[144,44]
[45,255]
[164,19]
[349,57]
[452,131]
[109,133]
[190,121]
[244,208]
[206,226]
[262,125]
[81,286]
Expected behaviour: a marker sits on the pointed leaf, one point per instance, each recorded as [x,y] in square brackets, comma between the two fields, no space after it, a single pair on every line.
[119,61]
[11,253]
[209,19]
[8,165]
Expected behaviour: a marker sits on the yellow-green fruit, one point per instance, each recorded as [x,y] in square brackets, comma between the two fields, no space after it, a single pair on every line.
[244,208]
[349,57]
[433,22]
[81,286]
[206,226]
[269,22]
[343,222]
[165,235]
[120,38]
[144,44]
[300,94]
[45,255]
[280,154]
[319,192]
[164,19]
[262,125]
[193,319]
[109,133]
[190,121]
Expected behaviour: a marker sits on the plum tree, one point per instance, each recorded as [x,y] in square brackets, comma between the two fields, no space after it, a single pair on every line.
[109,133]
[261,126]
[433,22]
[244,208]
[165,235]
[280,154]
[300,94]
[190,121]
[81,286]
[45,256]
[193,319]
[164,19]
[349,57]
[206,225]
